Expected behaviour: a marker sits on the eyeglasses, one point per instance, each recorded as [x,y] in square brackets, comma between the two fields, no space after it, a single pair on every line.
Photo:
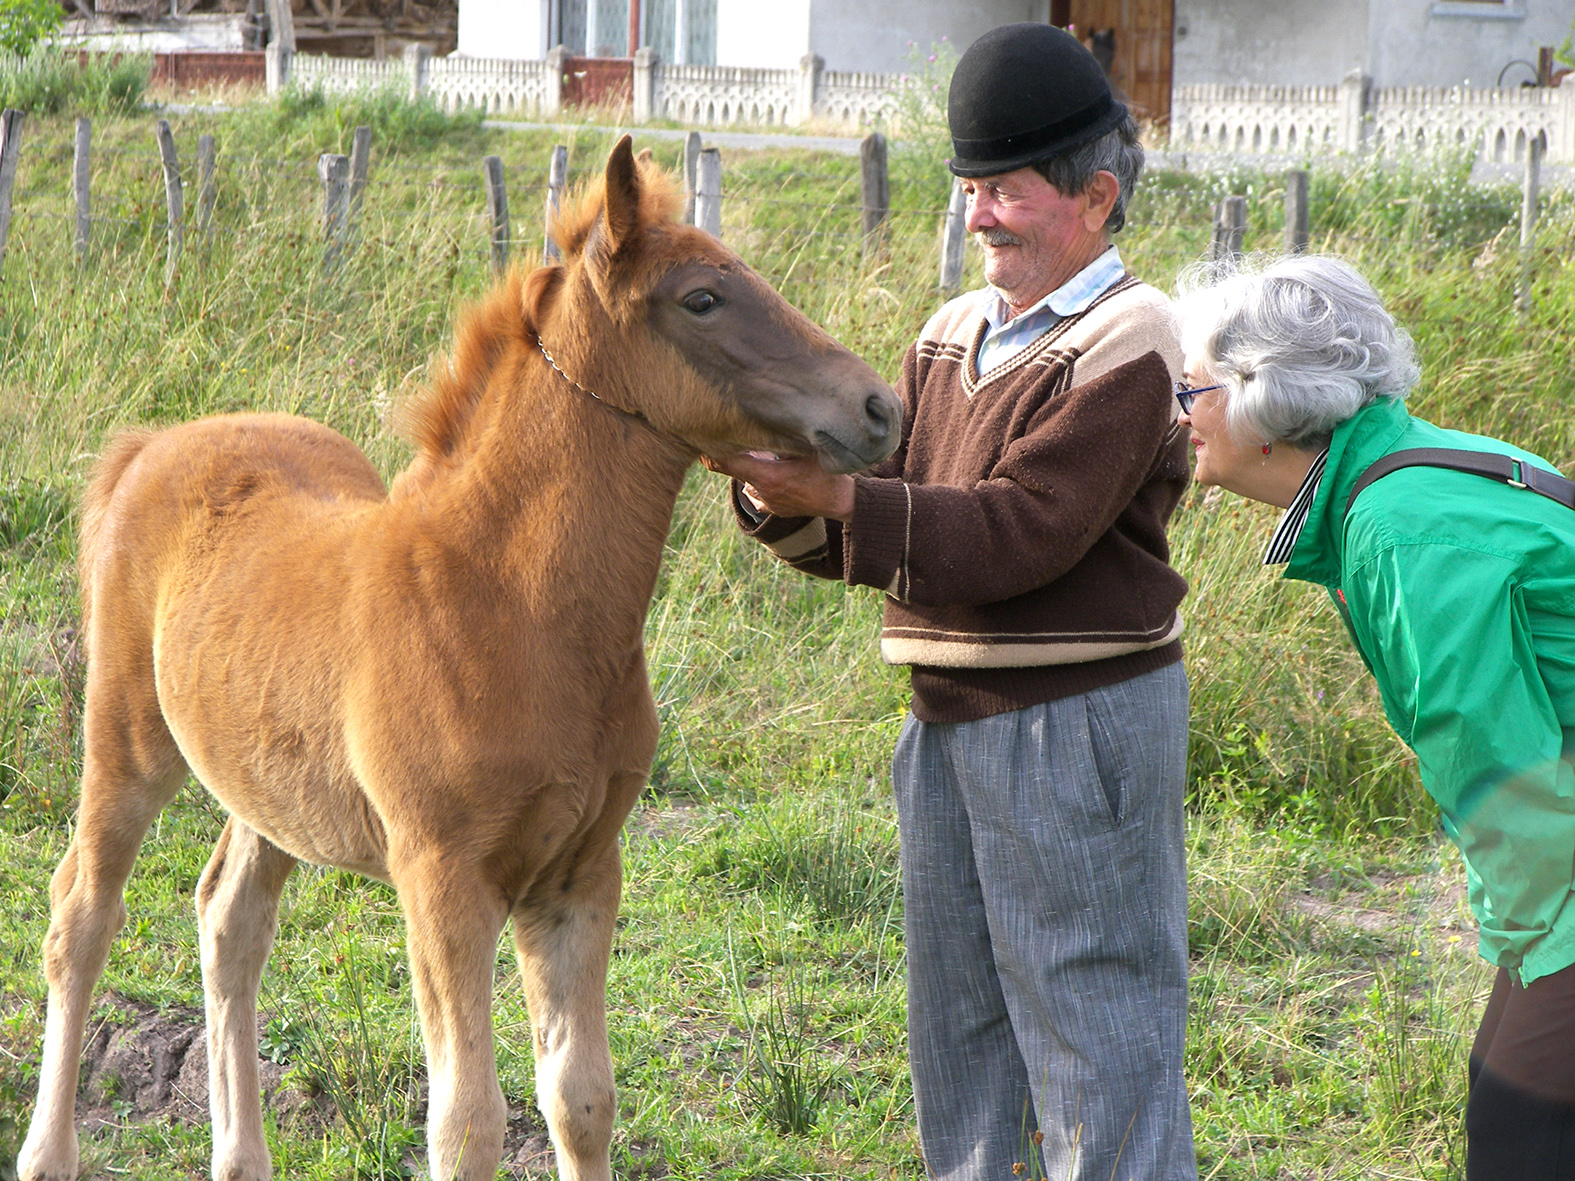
[1186,393]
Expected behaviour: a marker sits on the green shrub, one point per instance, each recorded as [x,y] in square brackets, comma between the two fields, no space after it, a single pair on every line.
[24,23]
[47,82]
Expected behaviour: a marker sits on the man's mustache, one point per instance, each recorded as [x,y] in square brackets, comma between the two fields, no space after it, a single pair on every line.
[996,236]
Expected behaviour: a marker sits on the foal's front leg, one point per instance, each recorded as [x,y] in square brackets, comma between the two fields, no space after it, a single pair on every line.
[237,916]
[563,932]
[453,918]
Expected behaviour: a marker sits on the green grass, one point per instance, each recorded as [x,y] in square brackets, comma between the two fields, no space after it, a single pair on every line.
[755,997]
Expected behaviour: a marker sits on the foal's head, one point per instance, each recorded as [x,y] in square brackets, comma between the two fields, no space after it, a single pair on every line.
[660,319]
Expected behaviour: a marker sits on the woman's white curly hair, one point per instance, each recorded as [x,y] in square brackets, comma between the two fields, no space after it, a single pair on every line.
[1301,344]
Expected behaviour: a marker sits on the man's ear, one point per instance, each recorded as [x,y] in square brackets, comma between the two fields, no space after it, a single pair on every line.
[1101,195]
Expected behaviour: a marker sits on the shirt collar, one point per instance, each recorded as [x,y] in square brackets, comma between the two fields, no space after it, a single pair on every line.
[1069,299]
[1289,530]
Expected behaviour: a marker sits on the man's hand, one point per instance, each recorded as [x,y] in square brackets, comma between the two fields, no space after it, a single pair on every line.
[789,487]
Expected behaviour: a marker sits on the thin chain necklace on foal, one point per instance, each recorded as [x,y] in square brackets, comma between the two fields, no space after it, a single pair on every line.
[632,415]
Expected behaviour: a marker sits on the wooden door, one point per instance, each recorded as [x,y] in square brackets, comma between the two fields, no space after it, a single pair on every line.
[1142,31]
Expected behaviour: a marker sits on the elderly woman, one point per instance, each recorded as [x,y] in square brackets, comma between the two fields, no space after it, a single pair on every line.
[1458,587]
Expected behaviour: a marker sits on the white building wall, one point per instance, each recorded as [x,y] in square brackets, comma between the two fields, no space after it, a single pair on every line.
[1273,43]
[884,35]
[1461,42]
[753,34]
[515,29]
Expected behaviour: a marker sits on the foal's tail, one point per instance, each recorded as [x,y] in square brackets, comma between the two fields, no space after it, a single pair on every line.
[111,466]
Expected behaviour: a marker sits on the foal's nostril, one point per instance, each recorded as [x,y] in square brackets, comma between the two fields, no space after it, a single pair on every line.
[877,409]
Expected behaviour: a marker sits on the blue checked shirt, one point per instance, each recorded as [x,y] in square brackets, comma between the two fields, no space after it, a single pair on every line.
[1009,335]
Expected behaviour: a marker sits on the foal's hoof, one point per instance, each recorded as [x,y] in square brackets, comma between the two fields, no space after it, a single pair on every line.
[37,1164]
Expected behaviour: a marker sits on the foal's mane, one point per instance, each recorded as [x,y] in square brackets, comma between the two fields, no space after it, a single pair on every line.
[437,419]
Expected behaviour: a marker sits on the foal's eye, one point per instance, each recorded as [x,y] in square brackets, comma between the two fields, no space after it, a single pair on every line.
[701,302]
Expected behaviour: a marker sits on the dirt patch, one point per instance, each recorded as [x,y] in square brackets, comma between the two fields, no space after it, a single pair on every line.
[141,1064]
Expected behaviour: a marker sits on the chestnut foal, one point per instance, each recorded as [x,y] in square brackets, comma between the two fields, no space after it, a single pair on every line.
[441,685]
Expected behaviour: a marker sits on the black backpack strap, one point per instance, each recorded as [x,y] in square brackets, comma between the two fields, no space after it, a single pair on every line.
[1506,469]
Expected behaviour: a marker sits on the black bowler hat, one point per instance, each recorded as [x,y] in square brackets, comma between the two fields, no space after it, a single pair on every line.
[1024,93]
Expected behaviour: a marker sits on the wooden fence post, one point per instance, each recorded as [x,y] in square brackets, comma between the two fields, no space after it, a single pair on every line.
[207,191]
[10,147]
[1530,184]
[954,237]
[172,197]
[80,182]
[335,173]
[691,163]
[1230,227]
[497,211]
[1296,218]
[360,161]
[874,189]
[557,180]
[708,192]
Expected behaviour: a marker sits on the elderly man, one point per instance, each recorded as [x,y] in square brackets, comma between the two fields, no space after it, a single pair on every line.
[1019,536]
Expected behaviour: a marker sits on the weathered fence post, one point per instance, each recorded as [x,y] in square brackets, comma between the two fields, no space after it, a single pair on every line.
[691,164]
[1297,233]
[416,58]
[497,211]
[954,237]
[10,146]
[207,191]
[1230,227]
[173,202]
[335,173]
[874,189]
[80,187]
[360,161]
[1528,220]
[557,180]
[708,192]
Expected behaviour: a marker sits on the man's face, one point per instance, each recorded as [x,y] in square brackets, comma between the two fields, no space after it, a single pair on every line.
[1034,238]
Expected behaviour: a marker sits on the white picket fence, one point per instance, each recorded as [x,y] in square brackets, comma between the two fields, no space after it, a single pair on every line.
[1282,121]
[1356,116]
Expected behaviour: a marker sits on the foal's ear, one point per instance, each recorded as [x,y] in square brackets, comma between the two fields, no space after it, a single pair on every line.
[538,291]
[621,207]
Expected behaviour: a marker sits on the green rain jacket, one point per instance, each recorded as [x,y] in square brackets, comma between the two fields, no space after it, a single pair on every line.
[1460,594]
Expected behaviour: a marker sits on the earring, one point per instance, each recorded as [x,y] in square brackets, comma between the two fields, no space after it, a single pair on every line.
[1267,447]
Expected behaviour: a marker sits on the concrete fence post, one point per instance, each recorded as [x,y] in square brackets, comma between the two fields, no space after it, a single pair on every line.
[277,60]
[645,61]
[1565,121]
[1356,102]
[416,58]
[810,67]
[557,63]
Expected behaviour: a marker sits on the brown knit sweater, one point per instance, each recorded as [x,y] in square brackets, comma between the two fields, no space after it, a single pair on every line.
[1019,531]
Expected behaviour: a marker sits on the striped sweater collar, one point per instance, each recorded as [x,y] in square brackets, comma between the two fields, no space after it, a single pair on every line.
[1289,530]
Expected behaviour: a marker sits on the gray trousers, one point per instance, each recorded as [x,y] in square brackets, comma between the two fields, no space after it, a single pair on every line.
[1044,883]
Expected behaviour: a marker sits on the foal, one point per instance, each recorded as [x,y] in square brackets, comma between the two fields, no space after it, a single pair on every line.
[441,685]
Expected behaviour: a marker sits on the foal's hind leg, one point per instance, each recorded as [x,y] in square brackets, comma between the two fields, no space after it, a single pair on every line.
[130,770]
[237,916]
[563,933]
